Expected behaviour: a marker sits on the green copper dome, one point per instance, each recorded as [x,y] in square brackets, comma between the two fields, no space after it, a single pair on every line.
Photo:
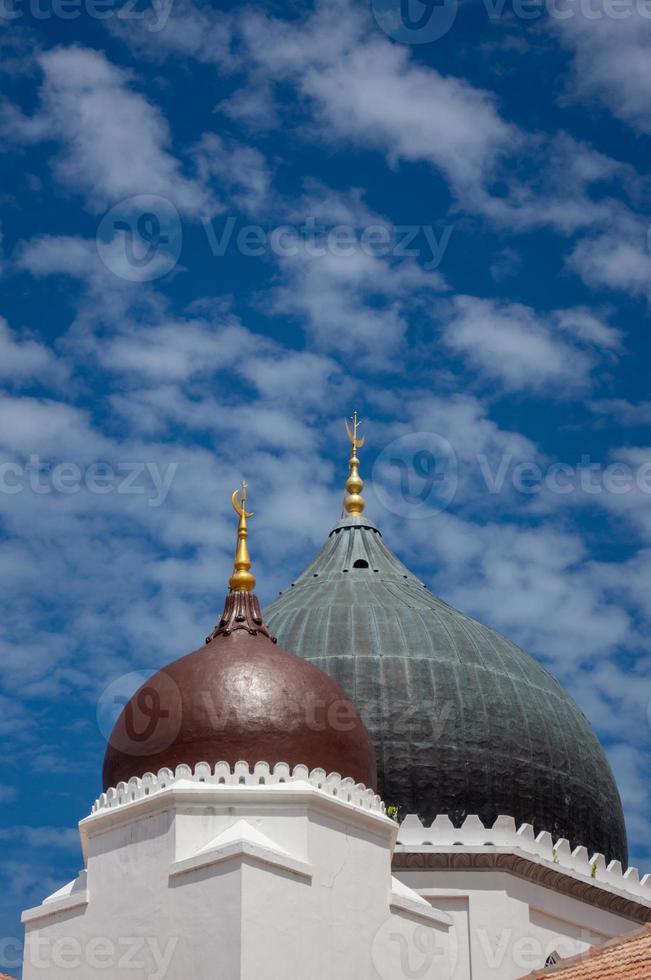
[463,720]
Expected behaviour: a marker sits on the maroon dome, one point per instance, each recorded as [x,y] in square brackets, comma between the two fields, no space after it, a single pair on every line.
[240,697]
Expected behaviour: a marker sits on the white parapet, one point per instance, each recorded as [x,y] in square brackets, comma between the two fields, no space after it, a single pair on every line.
[238,872]
[519,898]
[241,774]
[413,835]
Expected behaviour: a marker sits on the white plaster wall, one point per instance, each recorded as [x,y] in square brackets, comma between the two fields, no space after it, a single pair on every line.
[240,918]
[216,876]
[513,924]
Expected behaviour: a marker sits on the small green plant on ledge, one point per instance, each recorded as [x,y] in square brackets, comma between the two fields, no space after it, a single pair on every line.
[392,811]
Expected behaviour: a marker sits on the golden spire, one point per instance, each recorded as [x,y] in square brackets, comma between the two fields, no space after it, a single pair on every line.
[241,580]
[353,501]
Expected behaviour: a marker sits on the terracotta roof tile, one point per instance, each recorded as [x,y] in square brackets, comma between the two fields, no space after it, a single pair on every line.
[626,957]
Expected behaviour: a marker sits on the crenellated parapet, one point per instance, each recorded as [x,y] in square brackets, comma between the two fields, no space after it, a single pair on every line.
[415,839]
[241,774]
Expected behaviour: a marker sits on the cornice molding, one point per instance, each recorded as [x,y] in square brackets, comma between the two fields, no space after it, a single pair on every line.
[523,866]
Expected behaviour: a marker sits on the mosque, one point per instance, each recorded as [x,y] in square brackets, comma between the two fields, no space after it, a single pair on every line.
[360,783]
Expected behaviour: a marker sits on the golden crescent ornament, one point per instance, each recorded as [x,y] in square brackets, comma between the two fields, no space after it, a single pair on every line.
[237,506]
[353,501]
[357,443]
[241,580]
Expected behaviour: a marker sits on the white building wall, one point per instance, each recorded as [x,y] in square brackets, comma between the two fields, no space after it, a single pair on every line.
[252,875]
[191,879]
[515,898]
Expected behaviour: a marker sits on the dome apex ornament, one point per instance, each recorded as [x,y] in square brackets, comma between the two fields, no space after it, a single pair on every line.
[354,503]
[241,609]
[241,580]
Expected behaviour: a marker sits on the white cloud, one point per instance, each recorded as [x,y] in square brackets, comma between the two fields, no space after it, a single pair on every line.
[611,60]
[188,29]
[361,88]
[252,106]
[176,351]
[182,351]
[242,172]
[114,143]
[628,493]
[554,609]
[585,326]
[617,259]
[630,766]
[619,411]
[355,304]
[510,343]
[65,838]
[558,191]
[25,359]
[358,89]
[36,425]
[369,92]
[363,91]
[376,96]
[110,296]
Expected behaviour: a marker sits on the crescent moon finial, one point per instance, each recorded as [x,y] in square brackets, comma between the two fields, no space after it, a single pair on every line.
[241,580]
[238,507]
[353,501]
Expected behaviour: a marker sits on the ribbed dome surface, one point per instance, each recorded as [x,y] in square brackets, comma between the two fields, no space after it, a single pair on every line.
[462,719]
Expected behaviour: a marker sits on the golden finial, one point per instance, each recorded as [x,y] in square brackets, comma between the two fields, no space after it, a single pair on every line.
[353,501]
[241,580]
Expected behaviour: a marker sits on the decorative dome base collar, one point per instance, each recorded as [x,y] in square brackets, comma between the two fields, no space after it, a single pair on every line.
[257,776]
[241,612]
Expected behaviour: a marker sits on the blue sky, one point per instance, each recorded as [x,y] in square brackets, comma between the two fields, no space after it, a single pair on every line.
[224,229]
